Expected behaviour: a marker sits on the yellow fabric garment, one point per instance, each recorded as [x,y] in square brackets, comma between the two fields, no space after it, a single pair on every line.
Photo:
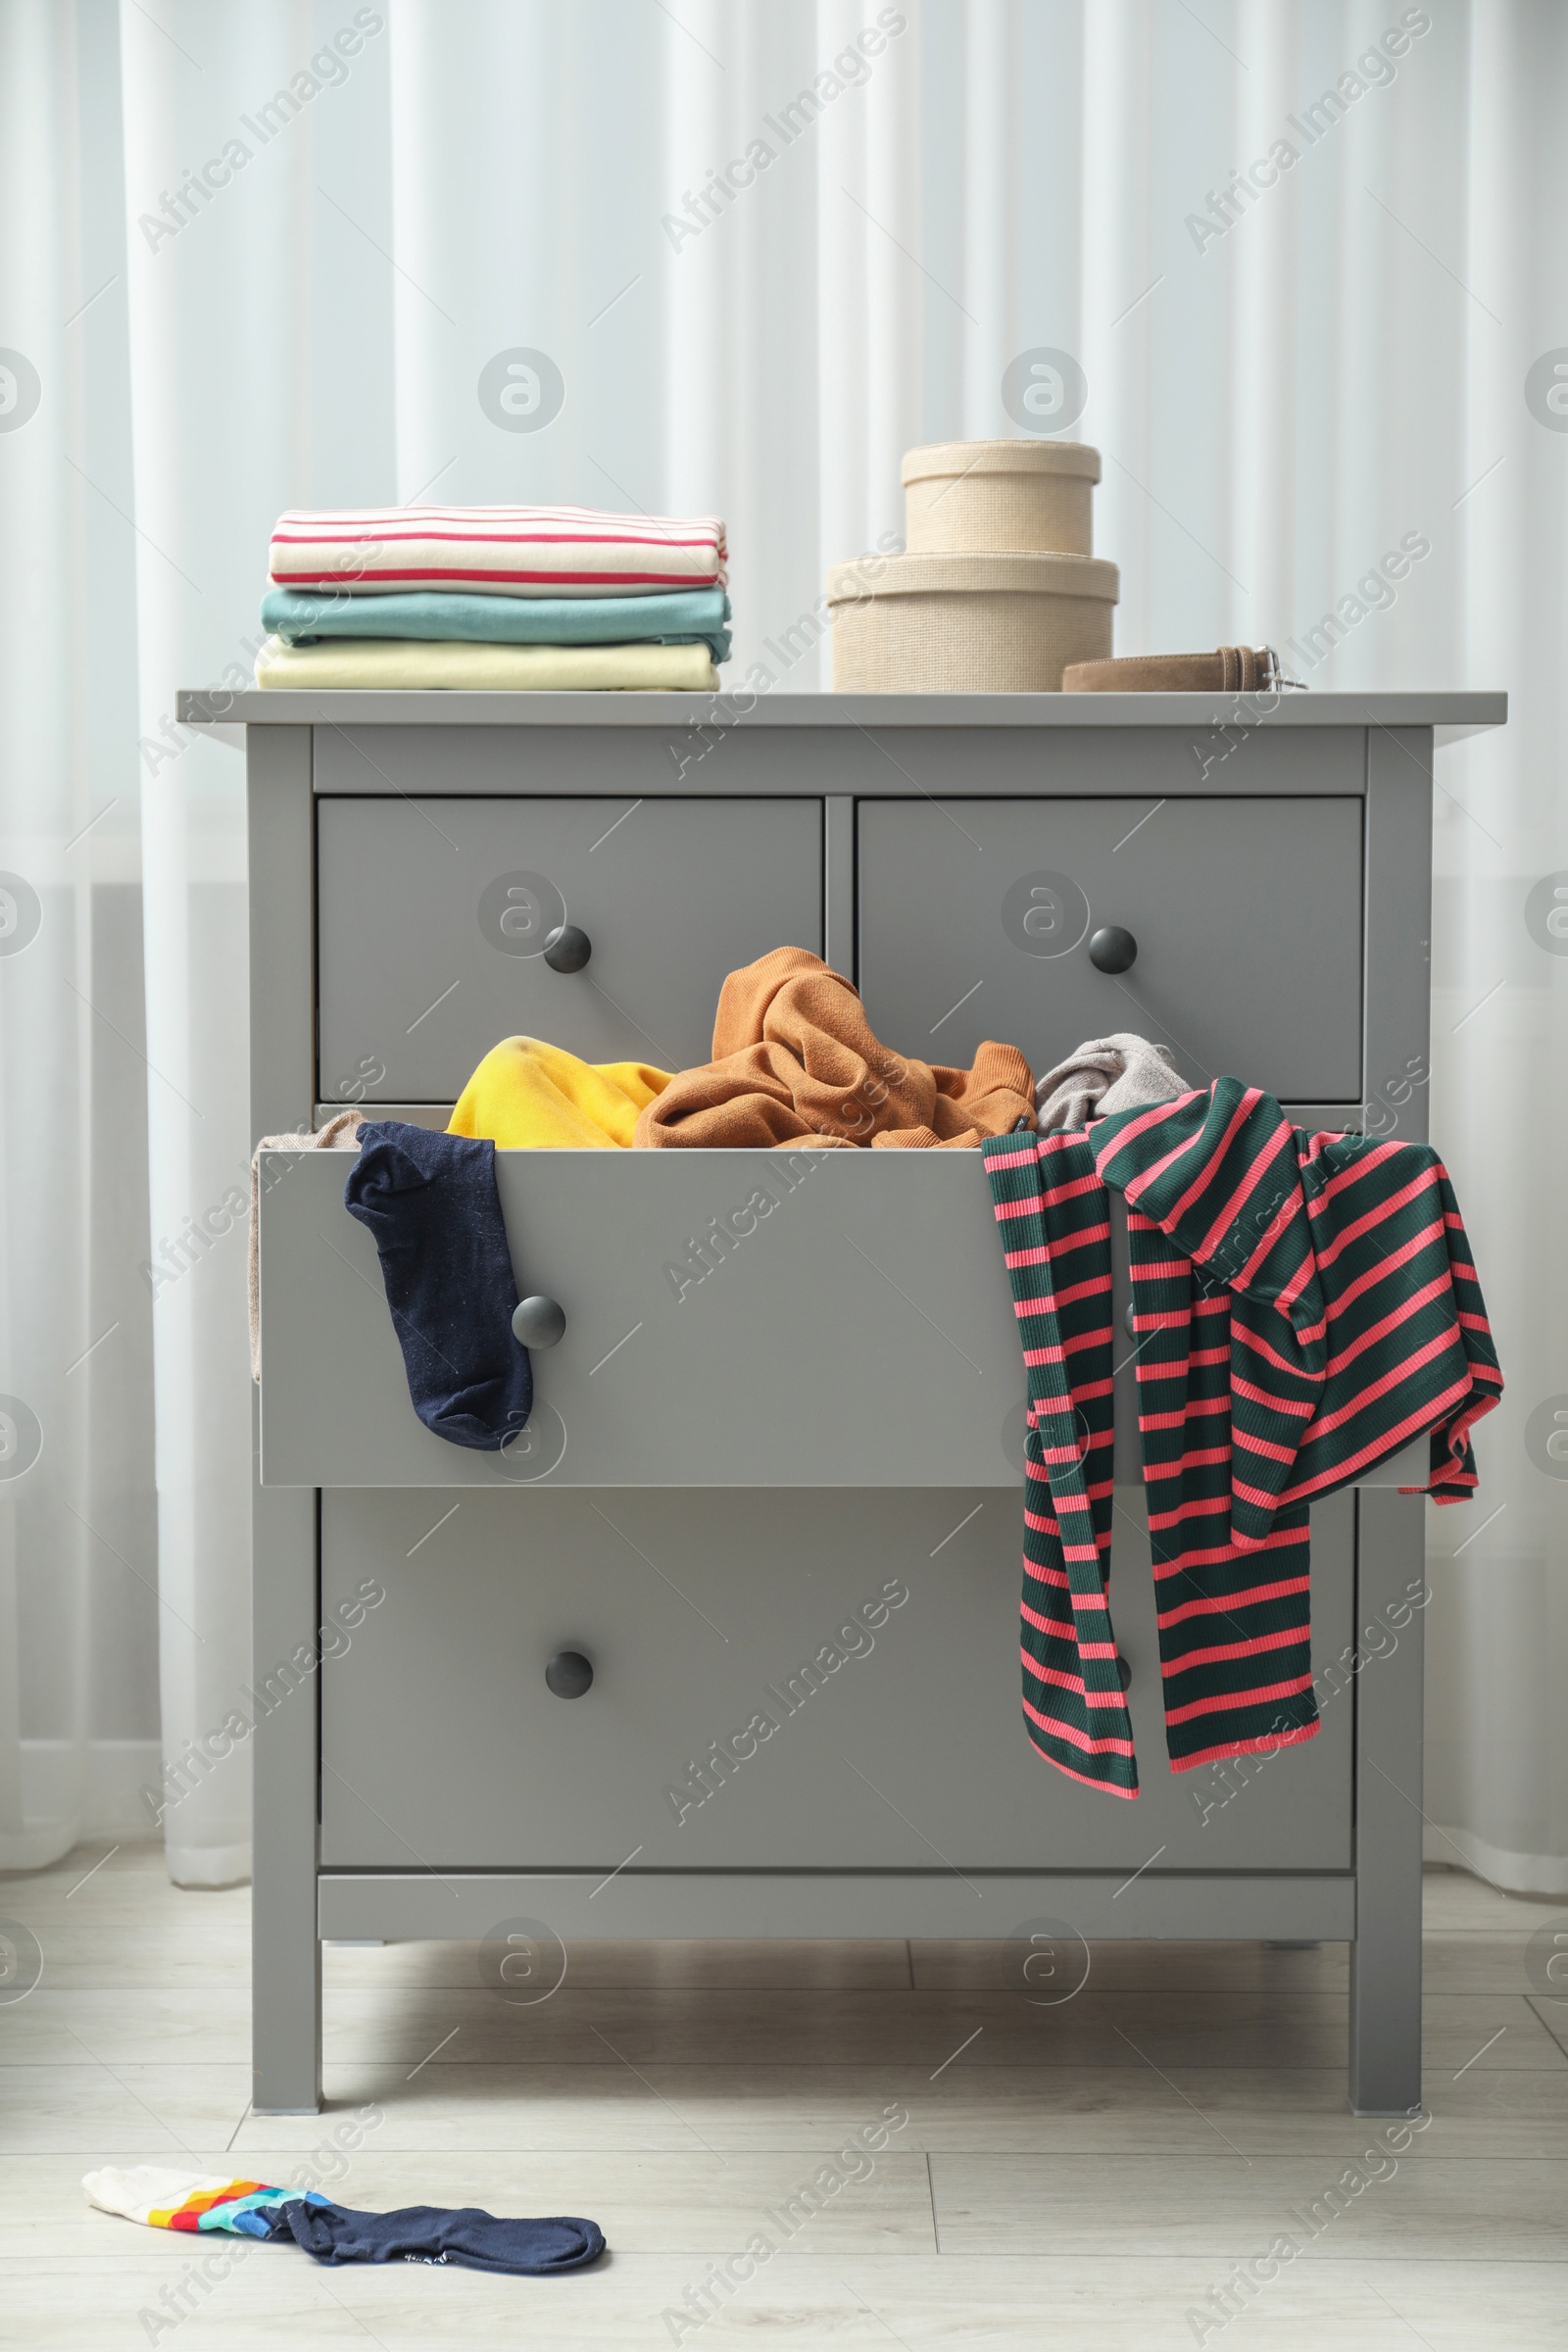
[411,662]
[529,1096]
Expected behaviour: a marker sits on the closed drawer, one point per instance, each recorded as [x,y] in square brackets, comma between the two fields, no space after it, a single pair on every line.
[432,917]
[974,922]
[853,1729]
[733,1319]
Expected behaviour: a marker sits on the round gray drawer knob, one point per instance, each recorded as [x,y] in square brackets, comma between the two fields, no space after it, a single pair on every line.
[1124,1673]
[538,1323]
[1129,1321]
[1111,950]
[567,950]
[569,1674]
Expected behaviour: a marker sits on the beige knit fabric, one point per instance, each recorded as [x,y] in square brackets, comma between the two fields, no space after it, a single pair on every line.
[1107,1074]
[340,1134]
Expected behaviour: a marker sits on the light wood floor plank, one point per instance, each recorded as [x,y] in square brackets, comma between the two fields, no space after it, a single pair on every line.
[1065,2110]
[1015,2304]
[1231,2207]
[157,2110]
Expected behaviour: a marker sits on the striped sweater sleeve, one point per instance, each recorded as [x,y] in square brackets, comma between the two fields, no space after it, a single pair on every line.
[1409,1348]
[1357,1321]
[1053,1215]
[1233,1612]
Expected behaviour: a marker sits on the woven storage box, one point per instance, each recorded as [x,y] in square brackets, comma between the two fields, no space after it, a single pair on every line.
[967,624]
[979,497]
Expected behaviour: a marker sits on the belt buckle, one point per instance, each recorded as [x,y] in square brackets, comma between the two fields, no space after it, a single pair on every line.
[1274,678]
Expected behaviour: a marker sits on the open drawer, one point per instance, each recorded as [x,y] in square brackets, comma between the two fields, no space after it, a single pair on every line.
[733,1319]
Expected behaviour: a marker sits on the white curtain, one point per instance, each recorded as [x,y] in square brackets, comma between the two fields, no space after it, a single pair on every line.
[1287,374]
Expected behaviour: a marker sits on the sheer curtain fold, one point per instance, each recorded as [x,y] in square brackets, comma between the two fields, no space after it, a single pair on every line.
[79,1570]
[217,319]
[1497,1791]
[264,258]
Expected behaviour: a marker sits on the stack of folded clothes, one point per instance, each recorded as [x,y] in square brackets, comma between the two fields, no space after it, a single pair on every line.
[495,597]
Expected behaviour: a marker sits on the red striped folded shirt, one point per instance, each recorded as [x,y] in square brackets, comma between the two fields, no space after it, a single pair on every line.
[497,551]
[1304,1306]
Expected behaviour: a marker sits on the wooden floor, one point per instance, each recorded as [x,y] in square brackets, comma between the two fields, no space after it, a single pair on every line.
[1085,2175]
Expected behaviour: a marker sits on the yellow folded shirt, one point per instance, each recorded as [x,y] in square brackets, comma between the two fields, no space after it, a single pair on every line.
[529,1096]
[409,662]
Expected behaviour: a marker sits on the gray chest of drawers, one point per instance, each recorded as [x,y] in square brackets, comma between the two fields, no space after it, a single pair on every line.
[772,1476]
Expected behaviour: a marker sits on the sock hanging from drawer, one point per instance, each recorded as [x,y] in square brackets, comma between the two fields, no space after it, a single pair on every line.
[431,1203]
[1305,1305]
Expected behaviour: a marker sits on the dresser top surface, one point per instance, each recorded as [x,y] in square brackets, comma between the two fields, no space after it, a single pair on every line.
[1452,714]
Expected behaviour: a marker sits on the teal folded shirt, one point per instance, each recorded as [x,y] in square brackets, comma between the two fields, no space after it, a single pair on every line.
[692,616]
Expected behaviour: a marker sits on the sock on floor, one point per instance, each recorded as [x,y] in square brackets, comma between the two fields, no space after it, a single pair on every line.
[166,2198]
[431,1203]
[464,2235]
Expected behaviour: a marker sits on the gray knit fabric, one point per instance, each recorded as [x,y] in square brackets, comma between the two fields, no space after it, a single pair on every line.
[1107,1074]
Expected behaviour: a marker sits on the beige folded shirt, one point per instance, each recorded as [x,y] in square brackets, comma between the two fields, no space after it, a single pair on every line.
[411,662]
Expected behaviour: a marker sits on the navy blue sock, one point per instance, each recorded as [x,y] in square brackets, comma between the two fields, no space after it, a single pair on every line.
[432,1204]
[465,2234]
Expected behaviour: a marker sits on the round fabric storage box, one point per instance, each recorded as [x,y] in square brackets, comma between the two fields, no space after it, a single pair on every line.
[974,497]
[967,624]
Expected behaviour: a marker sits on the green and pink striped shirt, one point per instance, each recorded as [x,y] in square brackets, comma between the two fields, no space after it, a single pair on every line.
[1305,1305]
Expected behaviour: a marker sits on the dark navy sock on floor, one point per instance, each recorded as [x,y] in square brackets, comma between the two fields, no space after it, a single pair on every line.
[431,1203]
[467,2235]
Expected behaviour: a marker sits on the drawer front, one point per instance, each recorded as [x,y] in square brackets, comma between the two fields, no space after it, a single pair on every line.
[733,1319]
[856,1729]
[432,917]
[974,922]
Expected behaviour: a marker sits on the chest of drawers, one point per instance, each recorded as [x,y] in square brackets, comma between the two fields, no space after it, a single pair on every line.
[771,1489]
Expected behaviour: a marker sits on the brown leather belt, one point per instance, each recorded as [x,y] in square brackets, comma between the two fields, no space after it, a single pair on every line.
[1230,669]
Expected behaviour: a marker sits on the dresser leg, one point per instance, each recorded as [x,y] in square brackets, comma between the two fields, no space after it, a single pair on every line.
[1385,1956]
[285,1955]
